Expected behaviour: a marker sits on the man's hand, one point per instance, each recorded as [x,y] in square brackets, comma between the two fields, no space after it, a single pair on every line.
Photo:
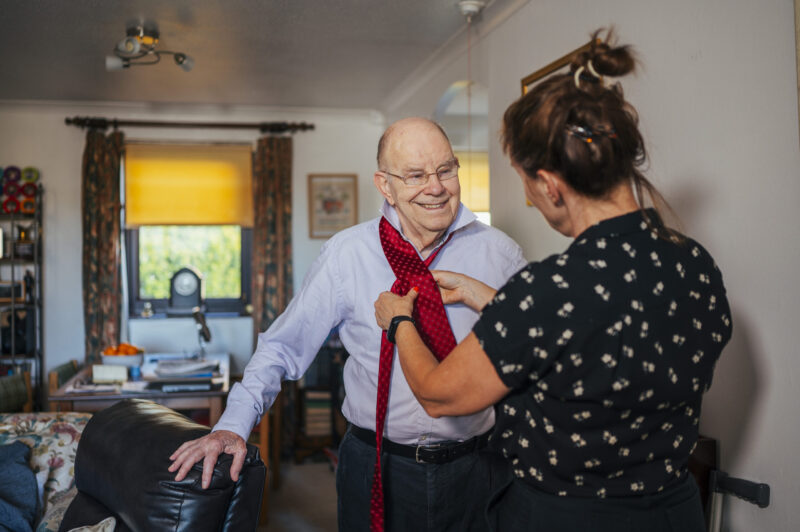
[208,448]
[389,305]
[460,288]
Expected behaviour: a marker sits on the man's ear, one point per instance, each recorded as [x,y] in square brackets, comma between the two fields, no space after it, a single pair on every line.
[551,186]
[382,184]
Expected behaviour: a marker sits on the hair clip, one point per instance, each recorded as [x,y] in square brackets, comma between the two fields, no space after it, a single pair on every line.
[587,135]
[578,77]
[592,71]
[589,68]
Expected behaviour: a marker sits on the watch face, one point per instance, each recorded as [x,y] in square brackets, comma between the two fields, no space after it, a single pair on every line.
[185,284]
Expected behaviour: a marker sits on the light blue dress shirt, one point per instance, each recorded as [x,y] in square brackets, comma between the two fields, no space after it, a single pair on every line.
[340,290]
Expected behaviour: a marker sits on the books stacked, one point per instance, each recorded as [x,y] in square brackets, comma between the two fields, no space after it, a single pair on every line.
[185,375]
[317,413]
[187,367]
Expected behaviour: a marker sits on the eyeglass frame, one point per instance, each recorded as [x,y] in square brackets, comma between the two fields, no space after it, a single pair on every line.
[454,160]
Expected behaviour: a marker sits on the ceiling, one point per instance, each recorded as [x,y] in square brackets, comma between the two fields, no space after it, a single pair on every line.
[306,53]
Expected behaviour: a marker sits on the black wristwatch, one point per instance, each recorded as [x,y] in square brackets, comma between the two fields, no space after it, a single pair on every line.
[393,326]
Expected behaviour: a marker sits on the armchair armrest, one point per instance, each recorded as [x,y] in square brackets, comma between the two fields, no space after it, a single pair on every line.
[121,465]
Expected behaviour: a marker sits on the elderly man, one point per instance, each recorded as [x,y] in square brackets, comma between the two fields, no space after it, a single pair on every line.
[430,468]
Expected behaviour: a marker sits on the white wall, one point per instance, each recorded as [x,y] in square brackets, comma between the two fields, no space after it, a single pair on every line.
[344,141]
[718,108]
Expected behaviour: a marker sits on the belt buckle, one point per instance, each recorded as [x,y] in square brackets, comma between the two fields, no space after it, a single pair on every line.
[416,454]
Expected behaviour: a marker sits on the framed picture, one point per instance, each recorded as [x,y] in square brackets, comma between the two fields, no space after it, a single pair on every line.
[558,64]
[332,203]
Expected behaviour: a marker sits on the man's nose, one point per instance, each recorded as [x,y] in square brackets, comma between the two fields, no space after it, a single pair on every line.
[434,185]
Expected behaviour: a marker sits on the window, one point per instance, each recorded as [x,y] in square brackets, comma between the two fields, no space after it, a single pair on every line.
[463,112]
[474,179]
[188,206]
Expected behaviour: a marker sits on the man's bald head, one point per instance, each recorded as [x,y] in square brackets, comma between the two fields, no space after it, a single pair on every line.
[403,123]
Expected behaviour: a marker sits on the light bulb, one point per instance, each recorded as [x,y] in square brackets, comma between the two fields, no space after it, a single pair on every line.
[184,61]
[114,63]
[129,45]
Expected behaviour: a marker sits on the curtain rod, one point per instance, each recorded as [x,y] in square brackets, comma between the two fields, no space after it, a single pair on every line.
[264,127]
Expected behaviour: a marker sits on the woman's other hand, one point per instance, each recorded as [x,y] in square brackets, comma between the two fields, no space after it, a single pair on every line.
[389,305]
[460,288]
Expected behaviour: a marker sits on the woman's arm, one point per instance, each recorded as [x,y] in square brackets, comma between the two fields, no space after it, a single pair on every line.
[463,383]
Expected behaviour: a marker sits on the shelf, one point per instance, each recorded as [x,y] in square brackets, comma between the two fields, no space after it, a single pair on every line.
[17,306]
[8,260]
[7,217]
[21,256]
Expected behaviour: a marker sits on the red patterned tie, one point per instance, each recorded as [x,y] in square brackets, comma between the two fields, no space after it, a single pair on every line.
[433,327]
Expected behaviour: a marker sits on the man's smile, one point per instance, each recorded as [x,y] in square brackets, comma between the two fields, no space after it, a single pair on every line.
[432,206]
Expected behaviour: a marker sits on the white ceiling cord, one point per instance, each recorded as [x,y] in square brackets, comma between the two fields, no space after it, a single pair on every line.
[470,9]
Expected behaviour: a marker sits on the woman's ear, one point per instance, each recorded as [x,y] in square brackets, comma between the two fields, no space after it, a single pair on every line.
[551,186]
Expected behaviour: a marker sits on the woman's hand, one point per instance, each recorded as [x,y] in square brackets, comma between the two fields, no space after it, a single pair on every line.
[460,288]
[389,305]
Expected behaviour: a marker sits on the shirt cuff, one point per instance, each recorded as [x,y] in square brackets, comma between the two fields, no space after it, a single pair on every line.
[239,423]
[241,413]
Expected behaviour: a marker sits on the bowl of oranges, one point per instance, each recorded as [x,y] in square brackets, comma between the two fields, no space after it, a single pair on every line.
[123,355]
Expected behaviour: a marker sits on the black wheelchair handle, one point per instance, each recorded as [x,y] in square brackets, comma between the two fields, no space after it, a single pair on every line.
[752,492]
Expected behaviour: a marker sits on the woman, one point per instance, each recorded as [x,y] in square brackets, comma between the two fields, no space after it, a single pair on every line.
[597,358]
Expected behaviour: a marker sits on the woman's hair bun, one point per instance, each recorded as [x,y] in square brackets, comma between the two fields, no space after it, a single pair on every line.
[606,58]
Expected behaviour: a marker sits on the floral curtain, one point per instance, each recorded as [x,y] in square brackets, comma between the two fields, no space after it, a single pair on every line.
[100,205]
[272,230]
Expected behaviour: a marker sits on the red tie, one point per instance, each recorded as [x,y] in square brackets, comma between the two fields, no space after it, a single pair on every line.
[433,327]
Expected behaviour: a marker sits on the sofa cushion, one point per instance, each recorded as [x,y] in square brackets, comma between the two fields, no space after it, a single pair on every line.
[53,438]
[18,499]
[14,393]
[122,463]
[55,514]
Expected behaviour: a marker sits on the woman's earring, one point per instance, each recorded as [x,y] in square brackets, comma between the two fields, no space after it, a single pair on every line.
[528,202]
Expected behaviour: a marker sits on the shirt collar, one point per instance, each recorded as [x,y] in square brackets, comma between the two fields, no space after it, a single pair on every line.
[620,225]
[464,217]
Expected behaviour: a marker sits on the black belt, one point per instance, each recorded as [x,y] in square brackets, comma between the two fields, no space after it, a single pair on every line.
[437,453]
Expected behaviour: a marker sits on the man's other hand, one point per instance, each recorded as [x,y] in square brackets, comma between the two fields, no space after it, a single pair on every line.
[208,448]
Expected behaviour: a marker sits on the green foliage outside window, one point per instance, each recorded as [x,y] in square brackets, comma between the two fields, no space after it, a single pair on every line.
[214,251]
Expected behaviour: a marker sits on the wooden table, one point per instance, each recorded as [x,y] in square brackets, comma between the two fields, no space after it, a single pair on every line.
[89,401]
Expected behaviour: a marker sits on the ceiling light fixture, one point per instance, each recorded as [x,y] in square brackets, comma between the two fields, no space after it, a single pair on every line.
[471,8]
[139,48]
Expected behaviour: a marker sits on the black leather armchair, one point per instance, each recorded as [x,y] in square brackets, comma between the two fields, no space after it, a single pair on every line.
[121,471]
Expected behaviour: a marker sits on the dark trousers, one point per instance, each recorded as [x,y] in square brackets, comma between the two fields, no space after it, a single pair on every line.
[518,507]
[417,497]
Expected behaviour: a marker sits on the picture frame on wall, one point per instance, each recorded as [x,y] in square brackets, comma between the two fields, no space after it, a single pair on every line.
[552,67]
[332,203]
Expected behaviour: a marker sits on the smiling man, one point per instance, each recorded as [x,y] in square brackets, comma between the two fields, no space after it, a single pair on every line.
[433,475]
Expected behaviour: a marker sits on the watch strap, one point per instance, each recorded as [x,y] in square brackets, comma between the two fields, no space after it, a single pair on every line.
[392,330]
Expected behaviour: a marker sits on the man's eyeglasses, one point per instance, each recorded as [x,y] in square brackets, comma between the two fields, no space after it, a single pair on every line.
[448,170]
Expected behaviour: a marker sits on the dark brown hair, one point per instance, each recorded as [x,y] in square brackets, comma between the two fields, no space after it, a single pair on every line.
[585,131]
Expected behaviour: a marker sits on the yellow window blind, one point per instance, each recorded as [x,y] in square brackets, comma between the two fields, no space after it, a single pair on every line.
[188,185]
[474,179]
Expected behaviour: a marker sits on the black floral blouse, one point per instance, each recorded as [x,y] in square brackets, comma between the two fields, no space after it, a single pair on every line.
[608,349]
